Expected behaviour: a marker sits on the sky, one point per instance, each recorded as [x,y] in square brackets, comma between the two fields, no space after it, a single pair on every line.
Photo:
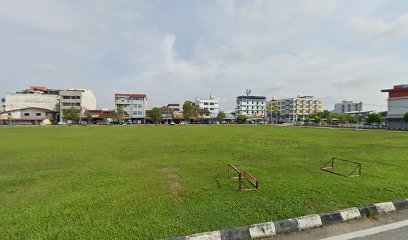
[179,50]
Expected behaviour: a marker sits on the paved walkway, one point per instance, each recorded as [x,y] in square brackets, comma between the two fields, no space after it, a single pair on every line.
[391,226]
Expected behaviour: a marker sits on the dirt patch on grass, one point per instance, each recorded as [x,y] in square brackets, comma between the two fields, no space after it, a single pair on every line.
[173,182]
[175,186]
[170,170]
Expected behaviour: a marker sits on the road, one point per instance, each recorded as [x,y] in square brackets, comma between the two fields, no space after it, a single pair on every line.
[391,226]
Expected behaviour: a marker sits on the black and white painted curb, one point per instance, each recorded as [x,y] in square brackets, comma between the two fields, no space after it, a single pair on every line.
[270,229]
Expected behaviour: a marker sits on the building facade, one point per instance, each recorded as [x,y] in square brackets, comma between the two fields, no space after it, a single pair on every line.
[175,107]
[134,105]
[211,104]
[37,97]
[80,99]
[290,109]
[251,106]
[27,116]
[397,106]
[203,114]
[347,106]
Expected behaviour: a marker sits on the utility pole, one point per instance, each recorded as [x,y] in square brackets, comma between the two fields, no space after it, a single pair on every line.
[360,106]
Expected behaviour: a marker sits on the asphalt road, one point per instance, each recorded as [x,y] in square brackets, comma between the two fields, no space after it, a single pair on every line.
[390,226]
[397,230]
[397,234]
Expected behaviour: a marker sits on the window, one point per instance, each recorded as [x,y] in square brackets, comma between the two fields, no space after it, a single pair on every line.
[140,106]
[206,103]
[66,97]
[26,114]
[78,97]
[212,109]
[212,104]
[38,114]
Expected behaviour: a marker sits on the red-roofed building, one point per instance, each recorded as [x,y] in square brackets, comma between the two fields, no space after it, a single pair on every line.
[397,106]
[101,116]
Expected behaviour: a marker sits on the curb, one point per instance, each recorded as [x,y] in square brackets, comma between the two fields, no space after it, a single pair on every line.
[284,226]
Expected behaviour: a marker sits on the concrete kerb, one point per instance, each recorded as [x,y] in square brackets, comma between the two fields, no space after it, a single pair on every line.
[216,235]
[262,230]
[309,221]
[285,226]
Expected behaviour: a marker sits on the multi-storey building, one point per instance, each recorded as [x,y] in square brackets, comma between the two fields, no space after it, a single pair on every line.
[174,106]
[134,105]
[211,104]
[37,97]
[397,106]
[272,109]
[348,106]
[251,106]
[80,99]
[290,109]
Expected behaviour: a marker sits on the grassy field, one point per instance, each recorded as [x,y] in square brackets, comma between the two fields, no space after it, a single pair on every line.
[156,182]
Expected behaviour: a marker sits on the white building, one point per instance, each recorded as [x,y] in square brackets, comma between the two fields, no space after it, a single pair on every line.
[134,105]
[251,106]
[37,97]
[80,99]
[175,107]
[348,106]
[27,116]
[211,104]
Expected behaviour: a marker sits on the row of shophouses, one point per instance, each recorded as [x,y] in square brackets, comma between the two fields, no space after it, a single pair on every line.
[37,105]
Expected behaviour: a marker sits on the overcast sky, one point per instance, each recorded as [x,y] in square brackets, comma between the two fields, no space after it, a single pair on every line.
[177,50]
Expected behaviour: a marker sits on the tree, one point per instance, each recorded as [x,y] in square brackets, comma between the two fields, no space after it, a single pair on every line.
[118,114]
[317,119]
[325,114]
[374,118]
[242,119]
[342,118]
[307,120]
[71,114]
[329,120]
[189,110]
[351,119]
[155,115]
[221,116]
[406,117]
[88,117]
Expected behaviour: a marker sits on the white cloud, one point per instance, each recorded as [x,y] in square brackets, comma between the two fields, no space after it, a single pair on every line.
[276,48]
[379,29]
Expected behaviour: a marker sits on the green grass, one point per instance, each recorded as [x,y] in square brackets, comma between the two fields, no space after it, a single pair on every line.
[157,182]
